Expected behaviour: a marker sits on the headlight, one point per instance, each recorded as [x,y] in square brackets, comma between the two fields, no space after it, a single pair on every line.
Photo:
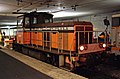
[104,45]
[81,48]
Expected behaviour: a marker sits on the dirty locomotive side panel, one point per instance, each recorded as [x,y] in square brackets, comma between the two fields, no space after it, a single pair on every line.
[63,44]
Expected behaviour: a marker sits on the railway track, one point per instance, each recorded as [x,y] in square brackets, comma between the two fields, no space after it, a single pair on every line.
[102,71]
[108,70]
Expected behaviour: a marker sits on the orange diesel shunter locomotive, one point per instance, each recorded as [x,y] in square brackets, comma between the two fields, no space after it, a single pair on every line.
[63,44]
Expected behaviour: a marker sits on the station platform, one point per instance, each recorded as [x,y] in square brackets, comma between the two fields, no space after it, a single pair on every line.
[14,65]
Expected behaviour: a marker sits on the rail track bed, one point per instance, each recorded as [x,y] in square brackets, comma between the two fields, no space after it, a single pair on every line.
[109,70]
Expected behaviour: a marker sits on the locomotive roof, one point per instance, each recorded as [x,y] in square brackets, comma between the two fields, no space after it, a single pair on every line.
[61,24]
[36,14]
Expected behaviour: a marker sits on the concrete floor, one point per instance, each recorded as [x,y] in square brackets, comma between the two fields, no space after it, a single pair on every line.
[11,68]
[15,65]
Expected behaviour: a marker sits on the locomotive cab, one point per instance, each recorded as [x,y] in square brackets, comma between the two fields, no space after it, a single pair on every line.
[32,18]
[27,21]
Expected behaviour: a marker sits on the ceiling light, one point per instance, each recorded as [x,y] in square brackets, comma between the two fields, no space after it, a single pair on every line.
[8,27]
[67,14]
[13,23]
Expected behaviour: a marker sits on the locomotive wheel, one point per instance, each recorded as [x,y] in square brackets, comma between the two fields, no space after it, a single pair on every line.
[49,58]
[53,60]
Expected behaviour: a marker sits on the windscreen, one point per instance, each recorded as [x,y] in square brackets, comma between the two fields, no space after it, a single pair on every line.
[84,35]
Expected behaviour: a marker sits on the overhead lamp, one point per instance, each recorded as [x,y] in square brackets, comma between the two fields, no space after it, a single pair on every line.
[18,10]
[18,1]
[67,14]
[74,7]
[48,5]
